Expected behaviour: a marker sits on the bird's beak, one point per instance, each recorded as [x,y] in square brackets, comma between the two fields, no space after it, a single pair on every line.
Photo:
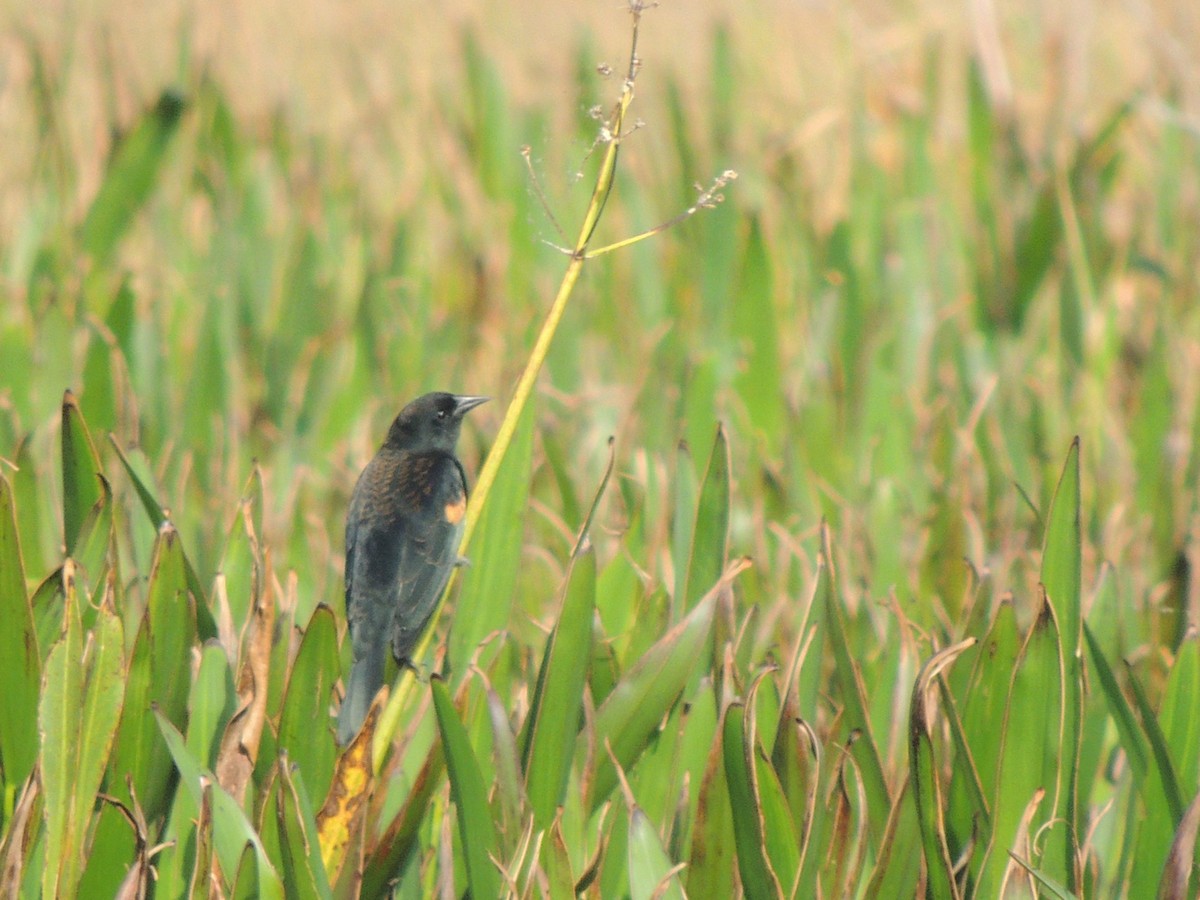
[463,404]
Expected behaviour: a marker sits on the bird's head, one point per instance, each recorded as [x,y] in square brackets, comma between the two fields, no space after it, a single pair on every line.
[431,422]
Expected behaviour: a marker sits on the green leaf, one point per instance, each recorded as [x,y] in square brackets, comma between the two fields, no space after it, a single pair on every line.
[711,863]
[683,521]
[81,468]
[211,704]
[509,788]
[172,619]
[475,827]
[760,381]
[231,831]
[710,537]
[1030,743]
[1172,734]
[923,774]
[1133,741]
[650,869]
[853,695]
[304,873]
[758,880]
[558,698]
[647,690]
[554,717]
[21,674]
[1062,578]
[130,177]
[138,469]
[159,676]
[305,732]
[485,602]
[80,709]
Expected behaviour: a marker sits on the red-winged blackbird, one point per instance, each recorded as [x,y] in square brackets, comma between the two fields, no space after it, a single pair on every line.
[402,536]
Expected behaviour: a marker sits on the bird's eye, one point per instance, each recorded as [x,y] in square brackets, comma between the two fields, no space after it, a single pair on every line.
[441,414]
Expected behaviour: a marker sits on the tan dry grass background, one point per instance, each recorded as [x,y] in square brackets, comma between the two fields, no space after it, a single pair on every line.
[371,75]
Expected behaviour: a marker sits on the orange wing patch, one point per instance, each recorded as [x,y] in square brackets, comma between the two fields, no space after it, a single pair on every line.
[456,509]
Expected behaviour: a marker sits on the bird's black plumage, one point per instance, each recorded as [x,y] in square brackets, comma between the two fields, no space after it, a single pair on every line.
[402,535]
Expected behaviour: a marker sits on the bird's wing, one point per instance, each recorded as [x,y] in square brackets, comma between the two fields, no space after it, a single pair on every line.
[374,539]
[428,553]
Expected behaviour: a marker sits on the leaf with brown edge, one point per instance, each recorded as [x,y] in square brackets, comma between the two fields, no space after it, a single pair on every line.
[1177,876]
[21,830]
[927,790]
[343,815]
[239,746]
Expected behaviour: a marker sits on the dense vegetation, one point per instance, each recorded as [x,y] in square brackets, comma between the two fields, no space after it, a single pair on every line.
[833,555]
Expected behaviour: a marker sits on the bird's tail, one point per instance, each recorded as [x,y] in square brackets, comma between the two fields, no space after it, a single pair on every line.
[366,677]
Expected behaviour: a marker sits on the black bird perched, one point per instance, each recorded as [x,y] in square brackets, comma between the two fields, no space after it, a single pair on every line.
[402,536]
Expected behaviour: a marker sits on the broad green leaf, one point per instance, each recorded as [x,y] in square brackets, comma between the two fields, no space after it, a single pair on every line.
[21,674]
[650,874]
[1062,578]
[80,468]
[759,881]
[93,548]
[485,602]
[113,854]
[558,698]
[795,760]
[648,690]
[755,326]
[130,178]
[554,716]
[304,873]
[712,858]
[1179,716]
[898,865]
[80,708]
[685,490]
[475,828]
[211,705]
[305,732]
[172,618]
[1031,742]
[1174,738]
[983,725]
[782,841]
[28,497]
[710,536]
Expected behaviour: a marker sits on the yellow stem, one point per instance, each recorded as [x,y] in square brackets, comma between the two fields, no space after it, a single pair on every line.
[390,719]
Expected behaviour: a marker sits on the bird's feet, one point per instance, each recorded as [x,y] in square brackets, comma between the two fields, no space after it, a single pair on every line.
[419,672]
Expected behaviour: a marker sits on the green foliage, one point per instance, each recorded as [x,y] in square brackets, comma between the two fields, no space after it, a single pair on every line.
[839,620]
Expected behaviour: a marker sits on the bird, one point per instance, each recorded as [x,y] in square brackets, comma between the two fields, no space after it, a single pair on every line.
[403,529]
